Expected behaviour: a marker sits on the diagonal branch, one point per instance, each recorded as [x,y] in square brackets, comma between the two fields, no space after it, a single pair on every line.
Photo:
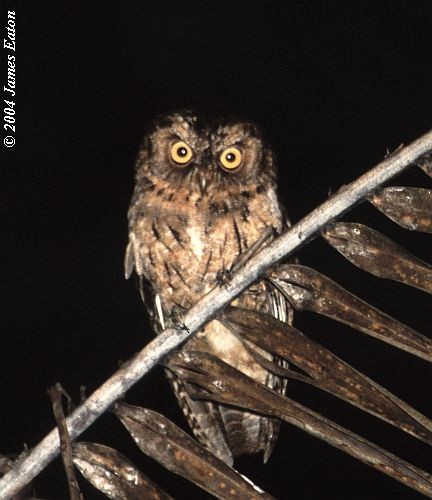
[205,309]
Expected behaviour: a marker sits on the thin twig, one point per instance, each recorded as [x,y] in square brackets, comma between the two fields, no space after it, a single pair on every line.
[207,307]
[55,393]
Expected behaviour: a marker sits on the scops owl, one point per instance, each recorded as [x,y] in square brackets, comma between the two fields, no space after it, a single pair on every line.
[205,191]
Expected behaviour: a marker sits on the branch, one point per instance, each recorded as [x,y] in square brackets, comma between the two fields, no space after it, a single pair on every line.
[309,227]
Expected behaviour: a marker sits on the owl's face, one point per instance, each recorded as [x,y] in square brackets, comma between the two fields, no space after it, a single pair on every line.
[206,155]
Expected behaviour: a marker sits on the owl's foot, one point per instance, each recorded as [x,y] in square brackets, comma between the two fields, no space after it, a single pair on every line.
[176,319]
[223,277]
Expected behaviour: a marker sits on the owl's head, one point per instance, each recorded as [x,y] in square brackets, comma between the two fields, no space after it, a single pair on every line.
[206,154]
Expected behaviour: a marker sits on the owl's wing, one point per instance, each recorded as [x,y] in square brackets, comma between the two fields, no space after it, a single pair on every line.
[151,300]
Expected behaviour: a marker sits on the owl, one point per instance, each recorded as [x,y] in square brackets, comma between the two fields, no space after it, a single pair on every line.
[205,191]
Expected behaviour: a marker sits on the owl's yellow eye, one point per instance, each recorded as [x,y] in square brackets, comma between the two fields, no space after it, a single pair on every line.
[181,153]
[231,158]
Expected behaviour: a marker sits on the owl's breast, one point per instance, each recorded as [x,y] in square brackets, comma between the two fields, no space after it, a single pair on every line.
[181,248]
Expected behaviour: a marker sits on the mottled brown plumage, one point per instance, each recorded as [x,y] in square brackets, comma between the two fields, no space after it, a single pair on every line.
[205,191]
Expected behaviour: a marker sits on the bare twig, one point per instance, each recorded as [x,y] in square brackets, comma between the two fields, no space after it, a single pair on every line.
[55,393]
[206,308]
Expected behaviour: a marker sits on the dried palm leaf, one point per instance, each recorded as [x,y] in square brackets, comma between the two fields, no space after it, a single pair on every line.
[409,207]
[328,372]
[178,452]
[307,289]
[375,253]
[113,474]
[213,380]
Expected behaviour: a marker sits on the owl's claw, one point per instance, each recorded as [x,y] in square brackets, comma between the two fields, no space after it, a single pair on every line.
[177,321]
[223,277]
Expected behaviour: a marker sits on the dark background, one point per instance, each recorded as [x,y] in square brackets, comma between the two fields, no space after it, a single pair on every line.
[333,85]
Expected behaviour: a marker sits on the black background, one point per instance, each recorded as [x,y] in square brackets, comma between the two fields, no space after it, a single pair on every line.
[333,85]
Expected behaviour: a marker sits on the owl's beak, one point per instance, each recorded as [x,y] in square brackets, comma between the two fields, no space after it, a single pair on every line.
[203,182]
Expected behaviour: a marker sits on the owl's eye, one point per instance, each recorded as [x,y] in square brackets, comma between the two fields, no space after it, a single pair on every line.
[181,153]
[231,158]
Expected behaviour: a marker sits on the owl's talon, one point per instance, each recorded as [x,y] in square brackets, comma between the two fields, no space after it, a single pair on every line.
[177,321]
[223,277]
